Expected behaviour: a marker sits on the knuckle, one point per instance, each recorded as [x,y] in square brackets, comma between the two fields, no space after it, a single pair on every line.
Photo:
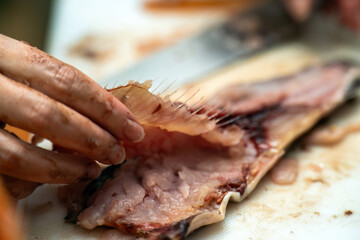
[43,115]
[108,107]
[63,72]
[64,76]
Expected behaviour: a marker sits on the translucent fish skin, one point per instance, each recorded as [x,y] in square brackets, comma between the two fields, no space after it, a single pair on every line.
[176,181]
[152,110]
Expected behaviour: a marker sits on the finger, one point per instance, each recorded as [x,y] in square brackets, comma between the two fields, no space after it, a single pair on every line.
[24,161]
[300,10]
[69,86]
[30,110]
[18,188]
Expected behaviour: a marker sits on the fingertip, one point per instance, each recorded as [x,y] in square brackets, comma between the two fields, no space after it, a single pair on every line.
[116,155]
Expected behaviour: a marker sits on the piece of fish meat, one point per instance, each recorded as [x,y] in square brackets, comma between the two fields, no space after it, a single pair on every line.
[181,176]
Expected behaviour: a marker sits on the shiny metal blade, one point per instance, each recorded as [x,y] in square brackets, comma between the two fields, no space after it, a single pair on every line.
[236,39]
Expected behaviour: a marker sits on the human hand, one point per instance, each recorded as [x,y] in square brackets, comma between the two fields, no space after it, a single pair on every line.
[347,10]
[51,99]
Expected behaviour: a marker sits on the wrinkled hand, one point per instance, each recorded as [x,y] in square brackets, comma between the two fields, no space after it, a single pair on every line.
[51,99]
[347,10]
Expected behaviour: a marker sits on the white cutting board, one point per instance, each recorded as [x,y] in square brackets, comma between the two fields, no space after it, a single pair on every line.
[313,207]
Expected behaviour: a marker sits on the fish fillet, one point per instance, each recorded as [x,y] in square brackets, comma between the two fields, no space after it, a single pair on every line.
[191,163]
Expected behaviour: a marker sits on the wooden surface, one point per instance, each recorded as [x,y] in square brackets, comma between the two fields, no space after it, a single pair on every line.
[24,135]
[9,224]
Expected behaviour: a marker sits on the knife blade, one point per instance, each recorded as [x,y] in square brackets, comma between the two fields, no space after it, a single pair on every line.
[238,38]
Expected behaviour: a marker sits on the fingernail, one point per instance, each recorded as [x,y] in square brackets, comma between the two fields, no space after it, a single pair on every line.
[133,132]
[117,154]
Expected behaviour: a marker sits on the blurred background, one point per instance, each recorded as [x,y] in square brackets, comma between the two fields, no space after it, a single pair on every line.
[102,37]
[26,20]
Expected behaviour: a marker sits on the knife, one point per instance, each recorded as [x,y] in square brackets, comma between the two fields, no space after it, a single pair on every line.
[236,39]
